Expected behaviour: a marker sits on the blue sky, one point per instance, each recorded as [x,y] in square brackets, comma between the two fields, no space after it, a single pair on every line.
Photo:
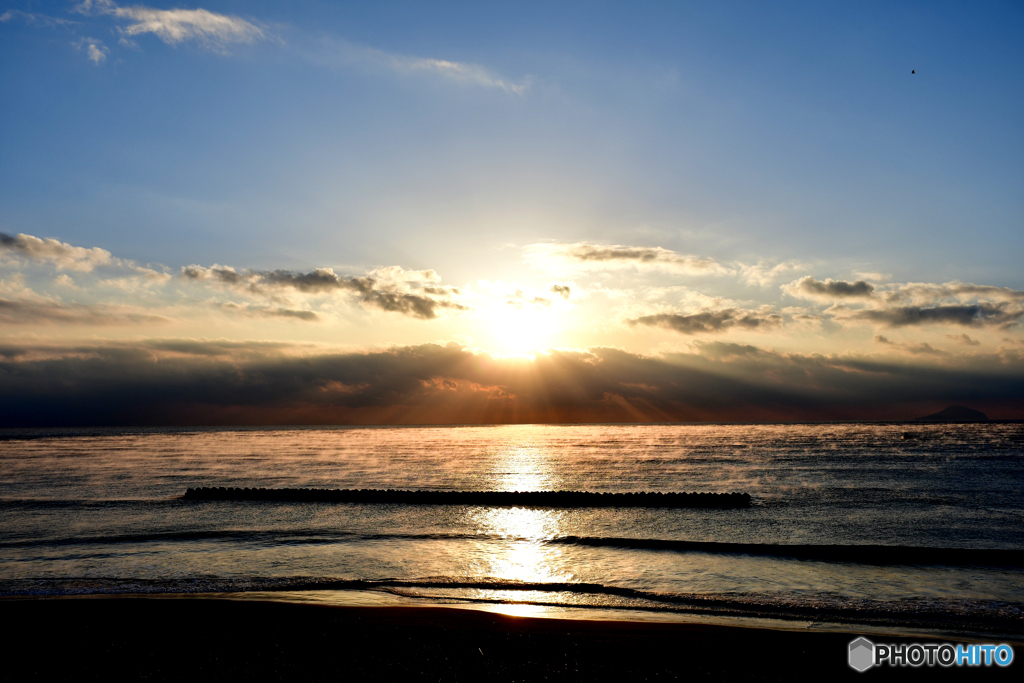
[662,162]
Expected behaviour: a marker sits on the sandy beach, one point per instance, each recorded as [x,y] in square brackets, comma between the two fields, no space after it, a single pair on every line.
[197,639]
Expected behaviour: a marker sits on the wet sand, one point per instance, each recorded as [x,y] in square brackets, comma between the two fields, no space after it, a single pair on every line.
[197,639]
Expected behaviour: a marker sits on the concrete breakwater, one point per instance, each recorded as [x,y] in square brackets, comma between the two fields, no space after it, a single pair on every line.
[552,499]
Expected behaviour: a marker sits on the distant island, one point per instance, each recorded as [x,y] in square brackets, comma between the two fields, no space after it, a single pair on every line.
[955,414]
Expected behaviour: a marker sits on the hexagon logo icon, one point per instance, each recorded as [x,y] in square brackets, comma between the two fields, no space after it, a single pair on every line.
[862,654]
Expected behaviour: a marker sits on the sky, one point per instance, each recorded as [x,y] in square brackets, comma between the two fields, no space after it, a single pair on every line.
[239,212]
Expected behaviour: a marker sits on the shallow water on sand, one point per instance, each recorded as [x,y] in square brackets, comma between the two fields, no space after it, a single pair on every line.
[101,511]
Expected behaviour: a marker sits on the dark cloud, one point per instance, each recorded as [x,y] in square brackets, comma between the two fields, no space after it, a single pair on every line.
[563,291]
[386,296]
[442,291]
[194,382]
[203,347]
[319,280]
[220,274]
[710,321]
[975,315]
[604,257]
[829,289]
[414,305]
[34,312]
[290,313]
[929,292]
[649,255]
[268,311]
[589,252]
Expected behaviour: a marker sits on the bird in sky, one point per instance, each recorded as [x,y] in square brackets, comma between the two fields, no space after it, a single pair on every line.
[912,71]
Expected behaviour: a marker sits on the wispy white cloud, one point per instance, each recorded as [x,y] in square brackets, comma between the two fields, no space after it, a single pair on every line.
[472,74]
[30,18]
[763,274]
[218,32]
[175,26]
[336,54]
[214,31]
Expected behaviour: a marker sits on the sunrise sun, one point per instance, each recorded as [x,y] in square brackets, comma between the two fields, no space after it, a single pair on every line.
[521,331]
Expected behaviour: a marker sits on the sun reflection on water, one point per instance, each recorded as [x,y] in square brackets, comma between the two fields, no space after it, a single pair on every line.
[522,467]
[516,609]
[524,556]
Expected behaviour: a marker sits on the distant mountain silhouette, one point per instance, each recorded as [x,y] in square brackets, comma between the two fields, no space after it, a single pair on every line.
[955,414]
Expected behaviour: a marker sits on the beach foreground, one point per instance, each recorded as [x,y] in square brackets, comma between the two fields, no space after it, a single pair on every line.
[195,639]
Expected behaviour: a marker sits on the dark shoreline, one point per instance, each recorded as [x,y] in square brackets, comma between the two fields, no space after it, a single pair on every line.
[198,639]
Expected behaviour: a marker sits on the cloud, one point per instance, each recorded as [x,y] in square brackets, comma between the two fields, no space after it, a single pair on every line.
[919,294]
[95,50]
[762,275]
[872,275]
[218,32]
[36,311]
[175,26]
[829,290]
[710,321]
[518,299]
[951,303]
[919,348]
[65,280]
[37,19]
[216,382]
[335,54]
[268,311]
[63,256]
[213,31]
[612,257]
[924,293]
[564,291]
[975,315]
[963,339]
[470,74]
[397,294]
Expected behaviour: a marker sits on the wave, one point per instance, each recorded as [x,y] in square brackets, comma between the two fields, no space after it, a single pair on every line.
[850,554]
[267,537]
[856,554]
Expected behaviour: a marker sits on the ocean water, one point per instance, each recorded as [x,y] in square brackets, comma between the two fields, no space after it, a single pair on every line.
[905,526]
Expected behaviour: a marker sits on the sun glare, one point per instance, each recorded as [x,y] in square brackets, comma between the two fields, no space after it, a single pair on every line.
[521,332]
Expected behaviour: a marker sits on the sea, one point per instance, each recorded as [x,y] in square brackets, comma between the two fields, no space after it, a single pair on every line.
[910,528]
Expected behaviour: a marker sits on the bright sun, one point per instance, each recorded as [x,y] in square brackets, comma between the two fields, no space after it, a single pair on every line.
[519,332]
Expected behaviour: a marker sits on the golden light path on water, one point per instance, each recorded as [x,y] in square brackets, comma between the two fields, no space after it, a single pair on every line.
[525,556]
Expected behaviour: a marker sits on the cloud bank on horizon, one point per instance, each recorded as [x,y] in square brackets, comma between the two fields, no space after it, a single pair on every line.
[262,214]
[735,370]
